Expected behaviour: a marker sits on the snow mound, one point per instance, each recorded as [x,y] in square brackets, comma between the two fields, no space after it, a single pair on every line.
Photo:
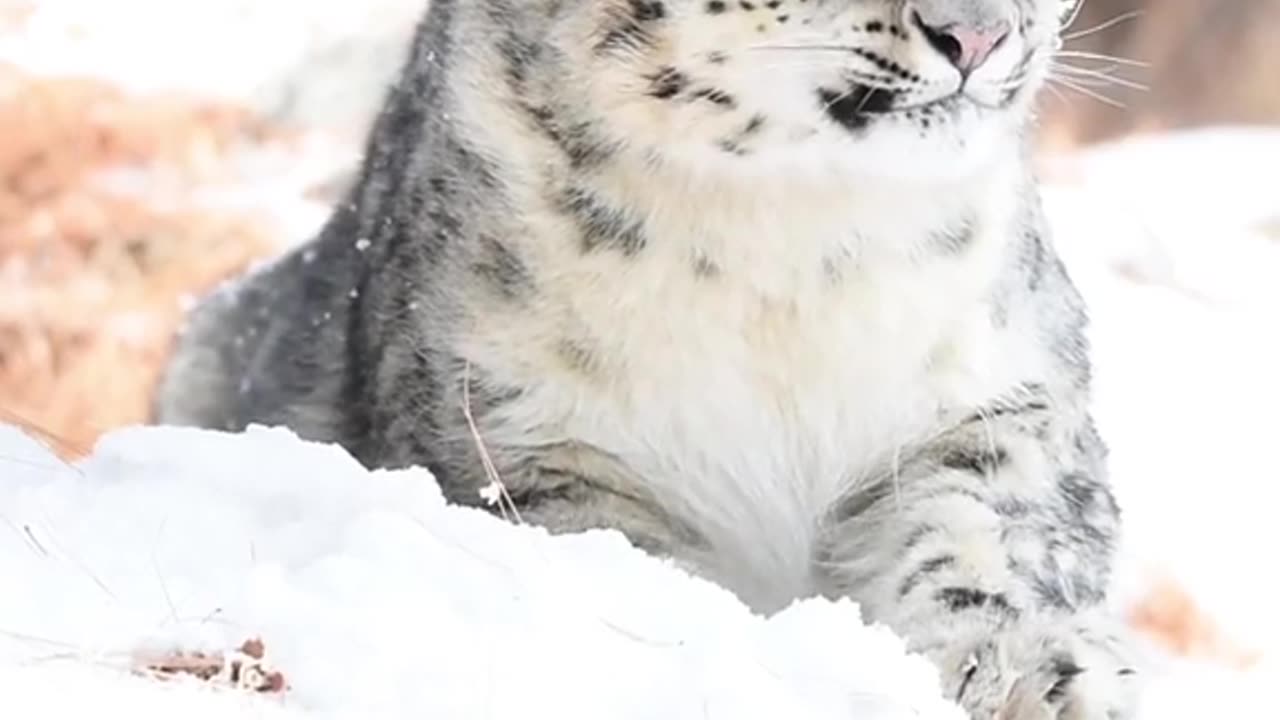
[376,599]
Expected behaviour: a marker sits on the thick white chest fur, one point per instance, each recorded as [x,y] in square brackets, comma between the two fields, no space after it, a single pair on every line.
[748,398]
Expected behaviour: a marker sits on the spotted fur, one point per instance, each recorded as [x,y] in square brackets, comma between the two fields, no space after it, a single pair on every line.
[765,285]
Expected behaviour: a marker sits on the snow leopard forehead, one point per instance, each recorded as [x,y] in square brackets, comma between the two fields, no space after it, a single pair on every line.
[884,85]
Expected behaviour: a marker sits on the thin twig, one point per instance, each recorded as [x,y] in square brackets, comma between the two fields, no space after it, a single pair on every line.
[490,469]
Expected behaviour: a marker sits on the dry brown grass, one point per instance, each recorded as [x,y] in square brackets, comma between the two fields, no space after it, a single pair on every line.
[91,282]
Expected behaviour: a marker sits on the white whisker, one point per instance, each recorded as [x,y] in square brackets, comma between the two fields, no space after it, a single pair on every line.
[1057,93]
[805,48]
[1079,74]
[1125,17]
[1103,57]
[1083,90]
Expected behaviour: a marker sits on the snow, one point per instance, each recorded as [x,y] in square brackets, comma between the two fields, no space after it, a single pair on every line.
[376,599]
[321,63]
[318,68]
[269,181]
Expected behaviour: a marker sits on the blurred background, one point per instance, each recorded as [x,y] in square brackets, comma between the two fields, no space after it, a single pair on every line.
[151,148]
[1208,62]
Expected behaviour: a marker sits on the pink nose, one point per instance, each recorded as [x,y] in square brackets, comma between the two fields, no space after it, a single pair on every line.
[964,46]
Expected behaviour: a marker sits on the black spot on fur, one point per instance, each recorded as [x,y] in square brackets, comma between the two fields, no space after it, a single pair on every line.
[1049,592]
[714,96]
[734,144]
[886,65]
[602,226]
[1085,500]
[704,267]
[633,30]
[1065,670]
[1016,80]
[953,239]
[579,141]
[530,496]
[502,269]
[578,355]
[835,266]
[1028,399]
[918,535]
[518,54]
[957,491]
[667,83]
[467,163]
[1035,258]
[486,393]
[860,502]
[925,569]
[960,599]
[855,108]
[983,462]
[1013,508]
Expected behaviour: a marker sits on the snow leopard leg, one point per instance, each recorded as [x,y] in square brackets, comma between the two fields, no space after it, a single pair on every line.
[989,550]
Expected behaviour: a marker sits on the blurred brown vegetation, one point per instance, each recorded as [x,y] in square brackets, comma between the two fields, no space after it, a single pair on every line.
[1207,62]
[92,280]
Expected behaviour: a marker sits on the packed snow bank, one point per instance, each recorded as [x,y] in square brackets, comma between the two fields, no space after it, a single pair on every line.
[378,600]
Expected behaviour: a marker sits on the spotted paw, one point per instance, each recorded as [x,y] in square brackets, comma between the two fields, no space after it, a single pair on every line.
[1069,670]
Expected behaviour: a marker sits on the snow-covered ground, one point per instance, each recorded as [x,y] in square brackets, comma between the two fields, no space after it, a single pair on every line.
[375,600]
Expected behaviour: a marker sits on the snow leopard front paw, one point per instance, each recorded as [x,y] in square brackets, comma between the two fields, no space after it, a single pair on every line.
[1068,671]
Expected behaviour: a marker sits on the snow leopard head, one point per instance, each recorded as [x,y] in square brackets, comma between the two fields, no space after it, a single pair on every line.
[883,86]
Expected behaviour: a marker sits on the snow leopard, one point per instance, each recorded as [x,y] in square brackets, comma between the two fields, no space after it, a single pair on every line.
[764,285]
